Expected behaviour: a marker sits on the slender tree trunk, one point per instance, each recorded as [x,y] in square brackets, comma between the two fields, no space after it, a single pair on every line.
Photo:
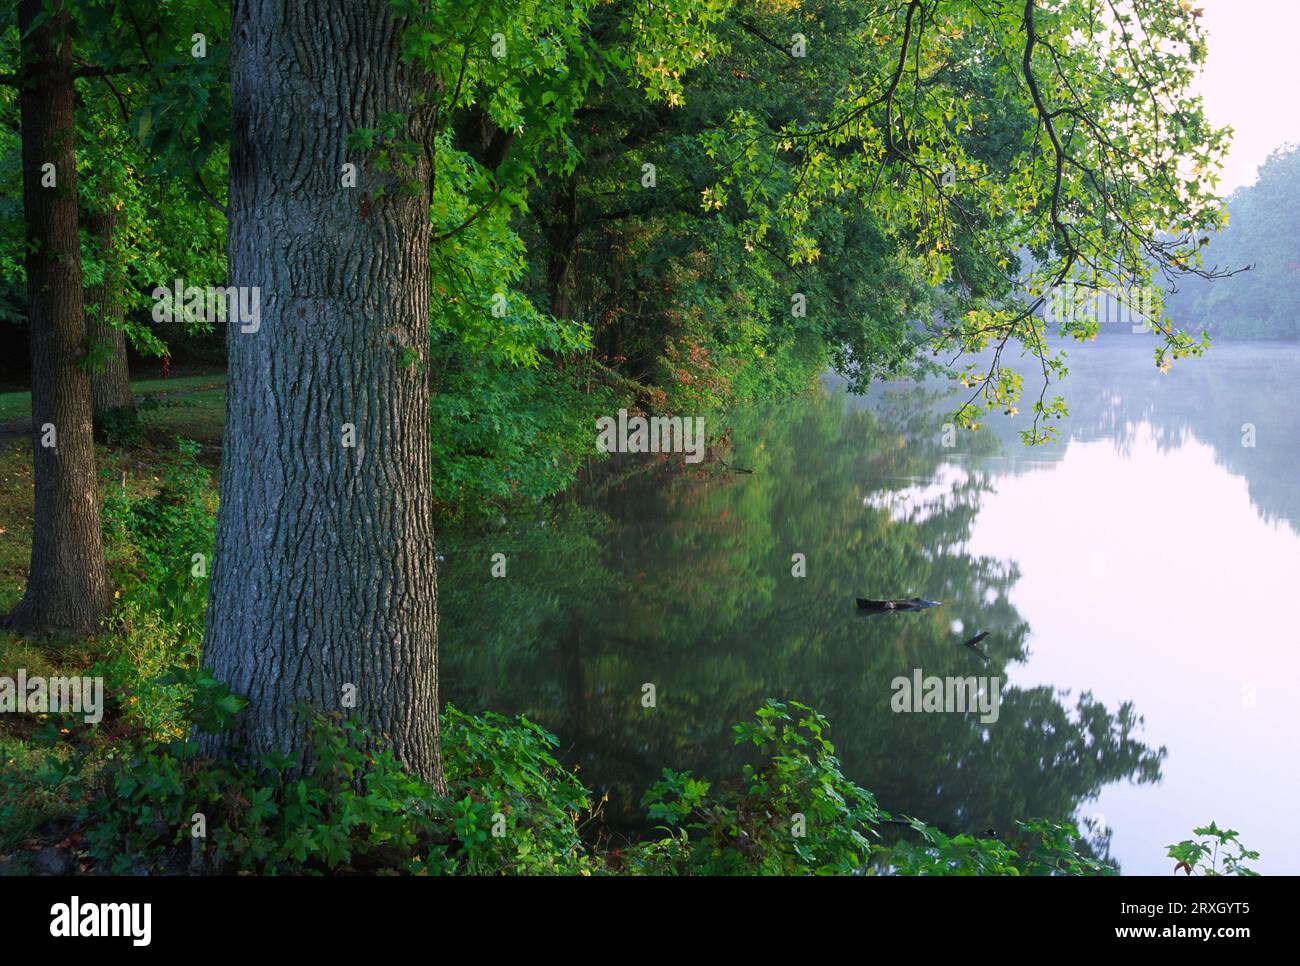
[323,584]
[67,587]
[562,243]
[110,384]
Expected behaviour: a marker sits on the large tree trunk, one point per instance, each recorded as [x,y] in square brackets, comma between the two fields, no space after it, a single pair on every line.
[323,579]
[110,384]
[67,588]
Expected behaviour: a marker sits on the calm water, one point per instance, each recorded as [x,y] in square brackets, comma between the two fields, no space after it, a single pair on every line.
[1139,581]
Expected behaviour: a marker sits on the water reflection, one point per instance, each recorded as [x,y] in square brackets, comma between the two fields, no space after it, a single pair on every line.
[1159,553]
[1100,567]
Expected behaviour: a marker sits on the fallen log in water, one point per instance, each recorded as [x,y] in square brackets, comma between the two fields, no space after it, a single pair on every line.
[867,605]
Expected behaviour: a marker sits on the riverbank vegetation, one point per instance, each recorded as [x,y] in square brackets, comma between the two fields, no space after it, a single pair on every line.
[121,795]
[538,216]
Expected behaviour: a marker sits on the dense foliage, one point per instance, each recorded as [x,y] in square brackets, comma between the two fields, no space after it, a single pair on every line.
[679,206]
[672,208]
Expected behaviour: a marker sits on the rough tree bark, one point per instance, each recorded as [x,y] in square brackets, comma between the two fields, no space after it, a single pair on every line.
[323,578]
[110,384]
[67,586]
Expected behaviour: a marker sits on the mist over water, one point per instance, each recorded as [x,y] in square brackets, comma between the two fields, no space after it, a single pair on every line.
[1137,580]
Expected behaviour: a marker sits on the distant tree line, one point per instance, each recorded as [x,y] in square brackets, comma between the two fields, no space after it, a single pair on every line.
[1263,233]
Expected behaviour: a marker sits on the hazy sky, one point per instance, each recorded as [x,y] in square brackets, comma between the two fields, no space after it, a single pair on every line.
[1250,79]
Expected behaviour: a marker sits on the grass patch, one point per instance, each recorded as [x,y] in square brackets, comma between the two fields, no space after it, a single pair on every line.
[16,499]
[16,406]
[199,416]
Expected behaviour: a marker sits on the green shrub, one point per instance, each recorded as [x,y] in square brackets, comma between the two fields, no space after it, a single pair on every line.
[35,782]
[142,647]
[118,427]
[1203,856]
[795,813]
[1038,848]
[344,805]
[163,533]
[505,438]
[511,807]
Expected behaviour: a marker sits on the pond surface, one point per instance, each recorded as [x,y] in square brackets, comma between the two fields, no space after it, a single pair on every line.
[1138,581]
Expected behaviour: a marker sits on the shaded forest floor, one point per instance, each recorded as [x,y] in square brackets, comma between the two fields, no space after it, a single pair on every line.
[35,828]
